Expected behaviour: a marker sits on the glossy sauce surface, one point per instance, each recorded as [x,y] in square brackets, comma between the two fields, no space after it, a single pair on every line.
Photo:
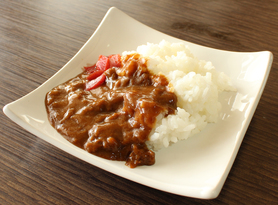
[114,120]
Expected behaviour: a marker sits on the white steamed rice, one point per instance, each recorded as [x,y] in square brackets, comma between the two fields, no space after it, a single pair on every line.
[197,85]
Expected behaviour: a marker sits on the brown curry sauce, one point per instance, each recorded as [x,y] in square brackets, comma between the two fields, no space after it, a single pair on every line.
[114,120]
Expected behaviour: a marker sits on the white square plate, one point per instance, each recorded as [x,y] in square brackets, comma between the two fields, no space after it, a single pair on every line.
[197,167]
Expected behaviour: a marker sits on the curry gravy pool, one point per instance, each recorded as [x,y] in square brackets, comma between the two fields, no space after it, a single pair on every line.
[113,120]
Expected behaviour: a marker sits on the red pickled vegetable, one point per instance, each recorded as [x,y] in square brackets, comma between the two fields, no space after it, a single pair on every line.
[94,74]
[90,69]
[115,60]
[96,82]
[103,63]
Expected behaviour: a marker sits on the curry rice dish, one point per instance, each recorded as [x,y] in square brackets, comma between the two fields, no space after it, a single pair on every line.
[127,106]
